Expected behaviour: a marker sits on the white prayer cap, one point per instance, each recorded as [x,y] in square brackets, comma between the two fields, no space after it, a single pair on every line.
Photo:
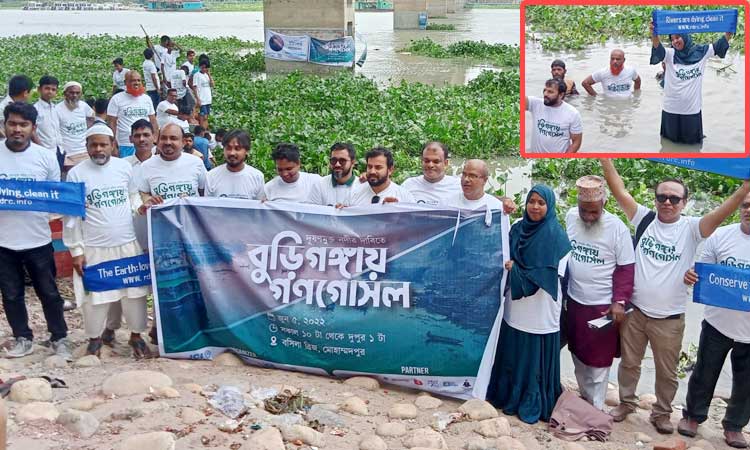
[71,84]
[100,129]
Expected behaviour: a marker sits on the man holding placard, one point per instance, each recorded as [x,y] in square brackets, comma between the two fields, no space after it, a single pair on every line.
[723,330]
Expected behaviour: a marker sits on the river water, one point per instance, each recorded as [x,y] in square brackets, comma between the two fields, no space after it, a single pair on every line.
[386,64]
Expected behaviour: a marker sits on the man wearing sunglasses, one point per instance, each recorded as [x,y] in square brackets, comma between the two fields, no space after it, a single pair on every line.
[379,187]
[664,252]
[336,188]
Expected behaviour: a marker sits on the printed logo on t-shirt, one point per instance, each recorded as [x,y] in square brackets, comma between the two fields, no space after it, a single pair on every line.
[174,190]
[736,262]
[244,197]
[135,111]
[107,197]
[586,253]
[18,177]
[618,87]
[685,75]
[656,250]
[76,128]
[549,129]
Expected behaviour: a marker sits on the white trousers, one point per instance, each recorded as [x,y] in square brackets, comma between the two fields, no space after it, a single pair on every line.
[592,382]
[97,317]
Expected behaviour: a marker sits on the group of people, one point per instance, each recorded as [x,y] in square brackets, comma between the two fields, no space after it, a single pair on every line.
[593,269]
[557,125]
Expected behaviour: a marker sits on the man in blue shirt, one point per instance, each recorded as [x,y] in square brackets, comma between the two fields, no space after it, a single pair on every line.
[201,144]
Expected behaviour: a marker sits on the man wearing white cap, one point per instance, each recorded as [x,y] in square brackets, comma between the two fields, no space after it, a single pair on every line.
[600,284]
[75,118]
[107,234]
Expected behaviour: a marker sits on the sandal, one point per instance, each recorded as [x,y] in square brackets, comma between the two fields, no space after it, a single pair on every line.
[94,347]
[55,382]
[140,349]
[108,337]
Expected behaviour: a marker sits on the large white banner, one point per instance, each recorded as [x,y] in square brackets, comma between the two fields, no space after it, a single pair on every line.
[286,48]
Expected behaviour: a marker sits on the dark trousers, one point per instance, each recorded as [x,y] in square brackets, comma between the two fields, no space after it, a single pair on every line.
[155,99]
[712,351]
[40,265]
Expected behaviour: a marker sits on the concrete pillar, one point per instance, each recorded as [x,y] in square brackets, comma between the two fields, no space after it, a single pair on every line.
[437,8]
[406,13]
[321,19]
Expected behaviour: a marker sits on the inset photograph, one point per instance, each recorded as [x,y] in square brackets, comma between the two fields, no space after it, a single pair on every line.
[633,80]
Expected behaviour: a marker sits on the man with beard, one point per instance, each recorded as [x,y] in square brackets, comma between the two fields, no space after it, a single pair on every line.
[723,330]
[433,187]
[556,125]
[600,284]
[75,118]
[335,189]
[126,108]
[26,244]
[171,173]
[235,179]
[616,79]
[558,70]
[379,188]
[291,184]
[107,234]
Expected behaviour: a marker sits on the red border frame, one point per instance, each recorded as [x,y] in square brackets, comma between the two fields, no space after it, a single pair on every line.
[522,89]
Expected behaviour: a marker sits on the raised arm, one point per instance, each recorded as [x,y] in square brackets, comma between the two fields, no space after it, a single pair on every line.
[711,221]
[655,41]
[617,186]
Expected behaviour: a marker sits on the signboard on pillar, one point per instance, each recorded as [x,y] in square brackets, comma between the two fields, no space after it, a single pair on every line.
[336,52]
[286,48]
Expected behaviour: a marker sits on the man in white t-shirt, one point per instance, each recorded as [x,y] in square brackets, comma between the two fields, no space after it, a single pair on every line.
[601,268]
[664,252]
[107,234]
[167,109]
[19,90]
[618,80]
[126,108]
[556,126]
[151,77]
[379,188]
[433,187]
[26,243]
[291,184]
[47,123]
[472,196]
[335,189]
[235,179]
[75,118]
[202,83]
[724,330]
[142,137]
[118,76]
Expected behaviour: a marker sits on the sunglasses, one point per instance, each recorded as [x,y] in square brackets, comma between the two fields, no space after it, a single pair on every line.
[375,199]
[342,161]
[673,199]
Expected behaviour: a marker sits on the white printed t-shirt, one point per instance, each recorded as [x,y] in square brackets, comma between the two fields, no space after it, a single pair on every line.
[162,118]
[178,80]
[118,78]
[363,194]
[299,191]
[150,68]
[47,124]
[620,85]
[24,230]
[552,126]
[172,179]
[664,253]
[683,84]
[247,183]
[203,86]
[73,127]
[128,109]
[728,246]
[329,193]
[434,194]
[459,200]
[109,215]
[595,255]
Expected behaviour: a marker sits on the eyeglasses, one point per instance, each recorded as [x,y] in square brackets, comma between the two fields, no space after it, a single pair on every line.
[673,199]
[342,161]
[375,199]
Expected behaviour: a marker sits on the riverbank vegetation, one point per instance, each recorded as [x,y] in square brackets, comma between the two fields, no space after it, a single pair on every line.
[501,55]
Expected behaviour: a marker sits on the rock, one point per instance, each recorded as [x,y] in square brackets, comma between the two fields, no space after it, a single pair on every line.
[285,420]
[79,422]
[638,420]
[573,446]
[403,411]
[302,433]
[134,382]
[355,405]
[229,426]
[87,361]
[166,392]
[6,365]
[704,444]
[427,402]
[391,429]
[192,387]
[643,437]
[426,437]
[31,390]
[85,404]
[266,439]
[190,415]
[129,414]
[55,362]
[647,401]
[671,444]
[372,442]
[159,440]
[477,409]
[325,417]
[37,411]
[477,443]
[152,407]
[613,398]
[494,428]
[228,359]
[508,443]
[370,384]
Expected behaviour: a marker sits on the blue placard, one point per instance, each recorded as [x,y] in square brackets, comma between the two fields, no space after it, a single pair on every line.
[336,52]
[731,167]
[119,274]
[723,286]
[43,196]
[708,21]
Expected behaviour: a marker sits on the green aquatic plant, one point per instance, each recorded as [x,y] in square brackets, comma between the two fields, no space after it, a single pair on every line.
[501,55]
[440,27]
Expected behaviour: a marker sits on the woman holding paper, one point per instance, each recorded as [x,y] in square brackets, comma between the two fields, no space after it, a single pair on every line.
[526,375]
[685,61]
